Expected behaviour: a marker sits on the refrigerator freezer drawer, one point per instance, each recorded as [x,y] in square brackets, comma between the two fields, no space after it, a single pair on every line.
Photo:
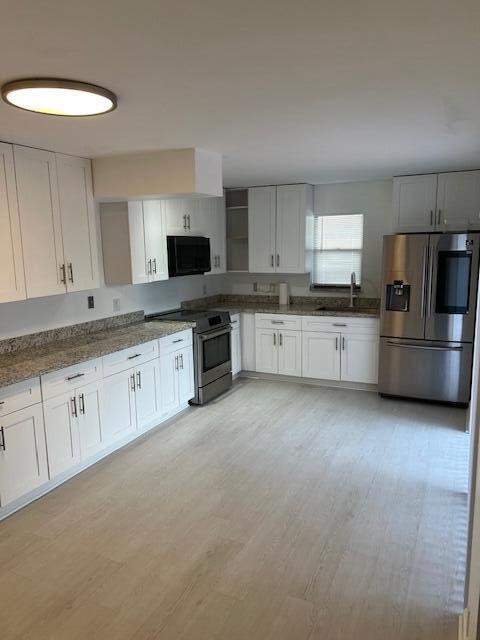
[426,370]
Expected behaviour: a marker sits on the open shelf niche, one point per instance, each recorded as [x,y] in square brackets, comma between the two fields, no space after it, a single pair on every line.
[236,206]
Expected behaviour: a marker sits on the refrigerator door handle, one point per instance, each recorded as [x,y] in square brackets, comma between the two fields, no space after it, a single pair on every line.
[423,310]
[430,281]
[423,346]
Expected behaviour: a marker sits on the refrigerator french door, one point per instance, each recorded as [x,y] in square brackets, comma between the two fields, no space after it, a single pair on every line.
[429,295]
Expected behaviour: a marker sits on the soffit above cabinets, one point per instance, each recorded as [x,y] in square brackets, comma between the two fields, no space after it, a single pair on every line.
[157,174]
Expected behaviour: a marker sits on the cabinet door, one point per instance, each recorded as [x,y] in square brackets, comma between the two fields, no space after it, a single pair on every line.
[214,219]
[155,239]
[415,203]
[36,174]
[290,352]
[458,200]
[77,212]
[359,359]
[179,213]
[140,266]
[236,351]
[247,340]
[147,394]
[23,457]
[261,229]
[169,368]
[62,434]
[266,350]
[89,399]
[290,229]
[321,355]
[221,235]
[12,276]
[118,406]
[186,389]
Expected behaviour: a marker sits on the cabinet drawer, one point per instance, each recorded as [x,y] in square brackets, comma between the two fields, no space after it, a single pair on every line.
[19,395]
[63,380]
[176,341]
[131,357]
[278,321]
[340,324]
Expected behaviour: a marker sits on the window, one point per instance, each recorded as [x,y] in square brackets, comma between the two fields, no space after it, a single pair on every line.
[337,249]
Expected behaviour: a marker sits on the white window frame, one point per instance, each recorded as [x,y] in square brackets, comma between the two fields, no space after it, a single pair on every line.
[315,285]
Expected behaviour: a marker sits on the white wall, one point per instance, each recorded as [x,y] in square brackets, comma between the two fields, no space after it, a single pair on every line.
[374,200]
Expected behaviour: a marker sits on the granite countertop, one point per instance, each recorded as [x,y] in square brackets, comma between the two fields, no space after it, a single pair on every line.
[298,310]
[31,362]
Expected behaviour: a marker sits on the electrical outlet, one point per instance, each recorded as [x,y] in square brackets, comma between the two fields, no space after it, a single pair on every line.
[90,302]
[116,304]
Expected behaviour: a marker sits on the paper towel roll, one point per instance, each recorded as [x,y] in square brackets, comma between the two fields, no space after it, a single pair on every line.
[283,293]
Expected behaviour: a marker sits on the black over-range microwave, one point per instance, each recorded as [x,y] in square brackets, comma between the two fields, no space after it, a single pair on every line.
[188,255]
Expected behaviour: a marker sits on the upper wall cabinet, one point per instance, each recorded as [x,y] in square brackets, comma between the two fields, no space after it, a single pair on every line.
[134,242]
[279,228]
[78,222]
[213,216]
[12,277]
[57,222]
[443,202]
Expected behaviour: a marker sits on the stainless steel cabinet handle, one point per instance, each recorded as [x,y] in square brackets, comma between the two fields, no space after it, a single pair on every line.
[431,217]
[177,340]
[339,324]
[439,216]
[343,344]
[2,440]
[139,380]
[176,363]
[281,340]
[63,274]
[181,361]
[149,267]
[74,377]
[336,344]
[273,264]
[185,222]
[274,339]
[277,321]
[423,347]
[135,355]
[73,406]
[188,218]
[70,271]
[278,259]
[155,265]
[132,382]
[81,402]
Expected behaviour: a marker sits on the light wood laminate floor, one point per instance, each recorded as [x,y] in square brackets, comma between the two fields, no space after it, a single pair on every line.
[279,512]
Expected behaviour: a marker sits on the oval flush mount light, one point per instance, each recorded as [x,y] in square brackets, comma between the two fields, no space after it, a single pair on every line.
[59,97]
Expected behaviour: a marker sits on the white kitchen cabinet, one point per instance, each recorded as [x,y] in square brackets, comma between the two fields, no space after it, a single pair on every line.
[458,201]
[147,393]
[262,207]
[89,412]
[169,381]
[415,203]
[214,219]
[236,345]
[186,389]
[280,229]
[278,351]
[23,456]
[61,432]
[12,276]
[247,340]
[36,175]
[359,357]
[184,216]
[320,355]
[79,234]
[176,374]
[118,410]
[134,242]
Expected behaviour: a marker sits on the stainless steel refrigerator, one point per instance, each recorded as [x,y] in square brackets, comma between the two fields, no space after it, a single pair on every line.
[428,307]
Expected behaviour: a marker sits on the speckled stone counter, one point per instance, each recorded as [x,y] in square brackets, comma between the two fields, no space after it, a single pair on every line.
[300,306]
[26,363]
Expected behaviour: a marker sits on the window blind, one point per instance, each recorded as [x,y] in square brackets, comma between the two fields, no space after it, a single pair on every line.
[337,249]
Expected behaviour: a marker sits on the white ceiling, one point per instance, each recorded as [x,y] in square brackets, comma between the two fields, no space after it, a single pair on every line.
[305,90]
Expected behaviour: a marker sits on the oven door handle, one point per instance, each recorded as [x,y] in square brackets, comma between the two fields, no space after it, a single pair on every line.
[214,333]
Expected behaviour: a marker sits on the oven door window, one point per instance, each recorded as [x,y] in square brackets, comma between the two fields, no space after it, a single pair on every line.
[216,351]
[453,282]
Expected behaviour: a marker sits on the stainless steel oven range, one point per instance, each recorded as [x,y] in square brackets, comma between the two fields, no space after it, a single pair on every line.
[211,350]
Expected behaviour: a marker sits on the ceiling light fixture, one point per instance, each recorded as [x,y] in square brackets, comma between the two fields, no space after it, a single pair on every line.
[59,97]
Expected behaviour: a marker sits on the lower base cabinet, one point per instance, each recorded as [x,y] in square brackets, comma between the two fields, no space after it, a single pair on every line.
[176,379]
[236,345]
[320,355]
[278,351]
[23,453]
[359,358]
[147,394]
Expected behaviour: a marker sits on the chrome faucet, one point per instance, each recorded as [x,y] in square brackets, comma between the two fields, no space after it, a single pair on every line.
[353,284]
